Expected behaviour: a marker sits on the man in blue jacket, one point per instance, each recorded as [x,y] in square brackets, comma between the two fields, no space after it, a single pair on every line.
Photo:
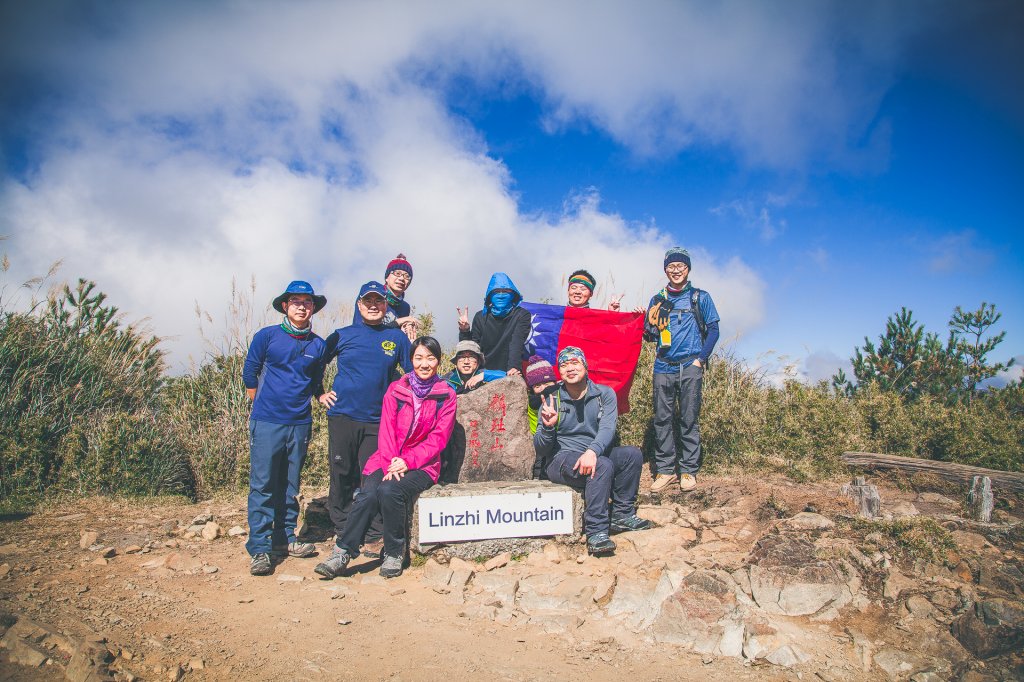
[686,335]
[369,354]
[280,374]
[573,442]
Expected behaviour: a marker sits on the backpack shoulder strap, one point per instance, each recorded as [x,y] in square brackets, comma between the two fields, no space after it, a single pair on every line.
[698,314]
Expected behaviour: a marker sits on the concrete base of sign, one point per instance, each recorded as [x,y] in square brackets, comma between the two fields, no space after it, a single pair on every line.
[472,549]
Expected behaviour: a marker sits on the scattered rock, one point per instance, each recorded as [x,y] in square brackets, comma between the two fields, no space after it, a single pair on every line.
[714,516]
[657,514]
[202,519]
[396,592]
[898,664]
[197,664]
[210,570]
[809,521]
[895,584]
[175,673]
[787,656]
[498,561]
[132,549]
[88,539]
[501,587]
[970,541]
[436,574]
[99,561]
[5,568]
[903,509]
[211,531]
[936,498]
[289,578]
[344,621]
[236,531]
[108,552]
[919,606]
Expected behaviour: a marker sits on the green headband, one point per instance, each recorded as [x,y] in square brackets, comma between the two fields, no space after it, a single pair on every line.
[581,279]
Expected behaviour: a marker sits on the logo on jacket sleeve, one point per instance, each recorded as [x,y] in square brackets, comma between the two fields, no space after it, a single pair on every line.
[389,348]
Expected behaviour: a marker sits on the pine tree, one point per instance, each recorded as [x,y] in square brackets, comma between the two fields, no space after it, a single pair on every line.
[969,328]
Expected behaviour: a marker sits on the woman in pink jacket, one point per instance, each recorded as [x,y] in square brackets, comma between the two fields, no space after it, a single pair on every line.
[416,421]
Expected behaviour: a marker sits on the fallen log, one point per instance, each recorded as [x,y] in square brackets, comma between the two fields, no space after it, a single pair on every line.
[949,471]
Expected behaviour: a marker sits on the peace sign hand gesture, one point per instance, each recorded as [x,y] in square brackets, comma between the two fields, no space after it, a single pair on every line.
[548,412]
[616,302]
[463,318]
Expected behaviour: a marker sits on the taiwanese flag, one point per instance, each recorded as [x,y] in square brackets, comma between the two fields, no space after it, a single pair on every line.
[611,342]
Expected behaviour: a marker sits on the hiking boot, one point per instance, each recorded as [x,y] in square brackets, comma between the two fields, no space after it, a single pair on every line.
[663,482]
[391,567]
[625,524]
[687,482]
[300,550]
[372,549]
[334,565]
[600,543]
[261,564]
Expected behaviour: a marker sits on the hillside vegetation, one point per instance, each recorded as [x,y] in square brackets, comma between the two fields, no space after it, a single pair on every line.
[88,407]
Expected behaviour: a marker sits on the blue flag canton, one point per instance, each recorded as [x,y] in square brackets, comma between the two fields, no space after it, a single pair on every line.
[545,328]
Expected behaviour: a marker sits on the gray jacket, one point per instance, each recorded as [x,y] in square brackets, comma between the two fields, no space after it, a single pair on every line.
[584,424]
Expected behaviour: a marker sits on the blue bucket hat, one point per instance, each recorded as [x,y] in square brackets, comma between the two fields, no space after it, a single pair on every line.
[300,287]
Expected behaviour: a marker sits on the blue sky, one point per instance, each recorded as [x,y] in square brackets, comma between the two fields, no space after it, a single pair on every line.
[827,163]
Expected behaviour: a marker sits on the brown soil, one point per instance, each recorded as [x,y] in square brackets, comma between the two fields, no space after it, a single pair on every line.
[211,610]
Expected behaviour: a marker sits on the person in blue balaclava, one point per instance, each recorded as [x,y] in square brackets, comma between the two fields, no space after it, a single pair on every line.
[501,327]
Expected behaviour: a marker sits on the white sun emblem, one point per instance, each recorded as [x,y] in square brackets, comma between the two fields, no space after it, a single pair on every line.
[531,346]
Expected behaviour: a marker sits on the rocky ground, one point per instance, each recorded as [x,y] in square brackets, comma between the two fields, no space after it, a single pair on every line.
[748,578]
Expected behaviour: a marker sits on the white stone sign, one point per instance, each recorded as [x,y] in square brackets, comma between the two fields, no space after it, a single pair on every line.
[482,517]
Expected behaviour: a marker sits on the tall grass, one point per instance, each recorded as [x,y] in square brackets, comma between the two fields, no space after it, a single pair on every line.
[88,407]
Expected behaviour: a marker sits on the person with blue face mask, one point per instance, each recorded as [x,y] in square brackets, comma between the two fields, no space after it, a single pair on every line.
[500,328]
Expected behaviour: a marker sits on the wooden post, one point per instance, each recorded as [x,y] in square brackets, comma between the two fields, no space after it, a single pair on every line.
[980,499]
[869,502]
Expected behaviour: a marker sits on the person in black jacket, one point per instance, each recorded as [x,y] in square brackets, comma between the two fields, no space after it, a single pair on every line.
[501,327]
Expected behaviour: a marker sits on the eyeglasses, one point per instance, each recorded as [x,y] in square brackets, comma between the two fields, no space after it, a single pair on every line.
[300,302]
[400,274]
[677,270]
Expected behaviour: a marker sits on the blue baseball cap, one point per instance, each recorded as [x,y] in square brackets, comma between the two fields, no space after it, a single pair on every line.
[372,288]
[300,287]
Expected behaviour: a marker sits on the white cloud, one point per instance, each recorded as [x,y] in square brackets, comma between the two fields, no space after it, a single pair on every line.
[183,145]
[957,251]
[159,228]
[754,216]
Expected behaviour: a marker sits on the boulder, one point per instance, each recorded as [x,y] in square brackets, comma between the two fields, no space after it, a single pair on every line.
[491,547]
[991,628]
[787,578]
[492,439]
[701,612]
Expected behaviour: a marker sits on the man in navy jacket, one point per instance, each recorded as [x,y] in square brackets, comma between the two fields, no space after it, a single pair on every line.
[280,378]
[369,353]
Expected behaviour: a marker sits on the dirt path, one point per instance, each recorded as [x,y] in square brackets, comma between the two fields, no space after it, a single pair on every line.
[206,614]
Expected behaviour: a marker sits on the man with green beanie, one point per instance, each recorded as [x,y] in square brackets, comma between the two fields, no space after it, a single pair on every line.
[683,321]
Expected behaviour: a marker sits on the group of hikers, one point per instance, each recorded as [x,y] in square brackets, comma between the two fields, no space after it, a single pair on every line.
[390,413]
